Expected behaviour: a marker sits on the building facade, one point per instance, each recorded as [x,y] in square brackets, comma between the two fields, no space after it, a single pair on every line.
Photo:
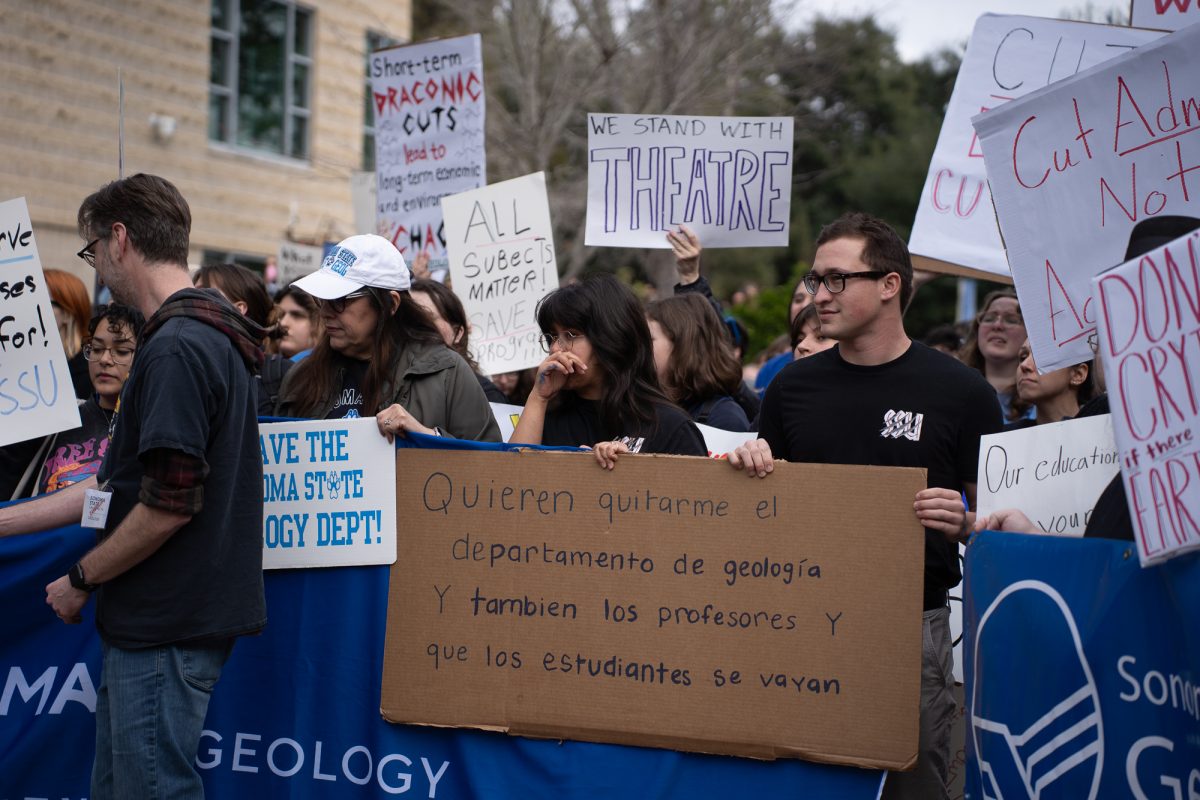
[257,110]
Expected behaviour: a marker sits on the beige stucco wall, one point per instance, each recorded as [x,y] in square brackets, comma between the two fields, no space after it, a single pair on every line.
[59,119]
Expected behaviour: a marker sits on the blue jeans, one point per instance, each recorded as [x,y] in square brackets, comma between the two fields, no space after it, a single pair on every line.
[150,710]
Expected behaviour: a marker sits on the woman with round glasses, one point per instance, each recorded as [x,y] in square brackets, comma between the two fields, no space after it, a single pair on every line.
[598,386]
[994,342]
[72,456]
[380,354]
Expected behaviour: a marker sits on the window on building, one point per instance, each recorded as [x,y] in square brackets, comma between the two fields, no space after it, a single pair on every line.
[375,41]
[260,79]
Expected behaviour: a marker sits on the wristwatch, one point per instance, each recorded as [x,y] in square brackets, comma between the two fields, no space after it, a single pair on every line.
[77,579]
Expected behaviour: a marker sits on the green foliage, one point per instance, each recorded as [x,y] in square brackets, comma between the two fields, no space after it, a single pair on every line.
[766,315]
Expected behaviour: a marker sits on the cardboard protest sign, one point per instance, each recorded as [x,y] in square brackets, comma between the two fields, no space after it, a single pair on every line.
[1007,57]
[727,178]
[667,603]
[1074,166]
[36,394]
[1150,342]
[1167,15]
[328,494]
[296,260]
[429,138]
[1053,473]
[501,248]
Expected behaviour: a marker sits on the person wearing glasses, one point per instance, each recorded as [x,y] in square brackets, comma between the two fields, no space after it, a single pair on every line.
[69,457]
[879,398]
[598,386]
[993,343]
[380,354]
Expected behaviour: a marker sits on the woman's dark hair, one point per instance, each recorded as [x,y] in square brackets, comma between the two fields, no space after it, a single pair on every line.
[738,336]
[702,361]
[807,316]
[606,311]
[313,380]
[451,309]
[241,285]
[117,315]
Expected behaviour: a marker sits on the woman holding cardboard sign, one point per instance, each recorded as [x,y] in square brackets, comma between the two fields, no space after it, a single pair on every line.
[598,385]
[380,354]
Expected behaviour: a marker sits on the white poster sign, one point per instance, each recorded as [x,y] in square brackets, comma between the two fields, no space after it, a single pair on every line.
[1054,473]
[1007,57]
[1149,315]
[507,417]
[429,138]
[1167,15]
[727,178]
[329,494]
[721,443]
[1074,166]
[36,394]
[297,260]
[501,248]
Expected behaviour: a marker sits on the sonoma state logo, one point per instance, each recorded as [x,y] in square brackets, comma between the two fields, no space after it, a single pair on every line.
[1050,741]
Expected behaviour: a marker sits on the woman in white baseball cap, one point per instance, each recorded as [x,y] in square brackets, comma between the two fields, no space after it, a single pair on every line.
[380,354]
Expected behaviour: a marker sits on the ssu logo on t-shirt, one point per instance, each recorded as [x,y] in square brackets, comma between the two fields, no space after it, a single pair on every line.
[902,423]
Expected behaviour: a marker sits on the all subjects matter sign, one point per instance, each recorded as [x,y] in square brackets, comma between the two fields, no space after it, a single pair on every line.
[727,178]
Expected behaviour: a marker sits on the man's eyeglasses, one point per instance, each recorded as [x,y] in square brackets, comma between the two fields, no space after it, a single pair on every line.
[1011,320]
[119,355]
[338,305]
[565,340]
[88,253]
[835,282]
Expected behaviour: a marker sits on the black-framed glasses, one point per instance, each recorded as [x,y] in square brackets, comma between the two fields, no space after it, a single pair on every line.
[88,253]
[835,282]
[338,304]
[565,340]
[119,355]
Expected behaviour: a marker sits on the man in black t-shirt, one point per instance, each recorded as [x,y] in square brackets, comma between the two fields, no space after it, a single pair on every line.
[878,398]
[178,567]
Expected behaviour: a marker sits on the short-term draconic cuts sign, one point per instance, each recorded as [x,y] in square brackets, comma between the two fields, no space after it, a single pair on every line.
[429,138]
[1075,165]
[1149,314]
[668,603]
[501,247]
[1007,57]
[36,394]
[727,178]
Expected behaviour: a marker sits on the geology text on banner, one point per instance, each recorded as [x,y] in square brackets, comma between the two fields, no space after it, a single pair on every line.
[1074,166]
[429,140]
[666,603]
[1007,57]
[727,178]
[328,494]
[36,395]
[1150,343]
[501,248]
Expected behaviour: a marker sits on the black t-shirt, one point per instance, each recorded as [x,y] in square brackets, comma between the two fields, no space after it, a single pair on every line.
[575,422]
[920,410]
[349,402]
[75,455]
[189,391]
[721,412]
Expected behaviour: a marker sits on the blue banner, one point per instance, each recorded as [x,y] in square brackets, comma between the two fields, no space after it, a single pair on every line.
[296,713]
[1082,671]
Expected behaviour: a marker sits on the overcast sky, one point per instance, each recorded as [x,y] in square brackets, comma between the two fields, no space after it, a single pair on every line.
[925,26]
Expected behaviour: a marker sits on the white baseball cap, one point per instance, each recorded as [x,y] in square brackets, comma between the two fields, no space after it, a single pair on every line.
[363,260]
